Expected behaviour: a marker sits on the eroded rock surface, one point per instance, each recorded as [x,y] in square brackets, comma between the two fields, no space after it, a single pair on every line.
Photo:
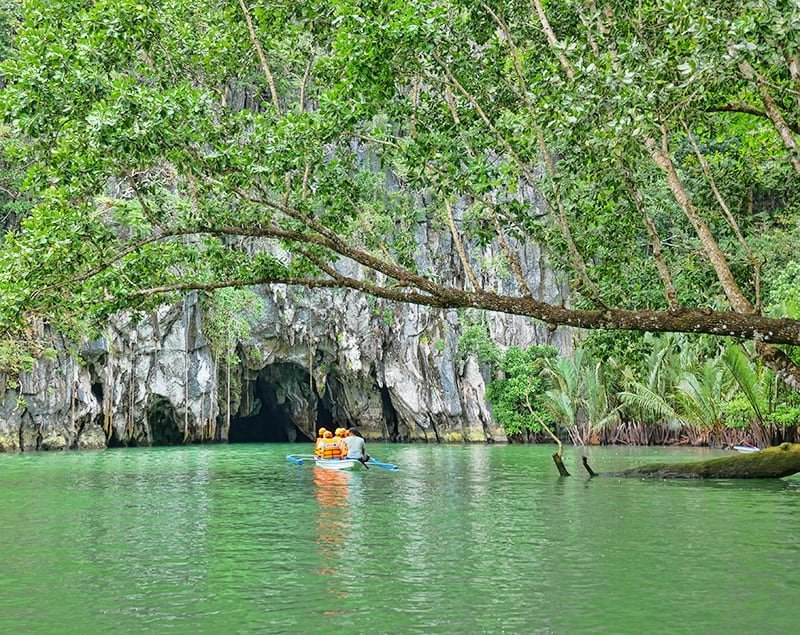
[313,358]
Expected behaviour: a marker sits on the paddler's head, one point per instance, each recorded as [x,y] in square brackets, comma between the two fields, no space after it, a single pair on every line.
[321,432]
[327,434]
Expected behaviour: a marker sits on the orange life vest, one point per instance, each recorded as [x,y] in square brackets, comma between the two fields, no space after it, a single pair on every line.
[342,445]
[318,447]
[331,449]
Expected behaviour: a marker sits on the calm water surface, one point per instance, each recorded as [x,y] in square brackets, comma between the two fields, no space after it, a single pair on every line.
[466,539]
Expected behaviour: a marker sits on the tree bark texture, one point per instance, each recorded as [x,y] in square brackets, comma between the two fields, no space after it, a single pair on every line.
[775,462]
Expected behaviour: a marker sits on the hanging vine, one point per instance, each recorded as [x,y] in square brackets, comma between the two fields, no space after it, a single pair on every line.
[228,318]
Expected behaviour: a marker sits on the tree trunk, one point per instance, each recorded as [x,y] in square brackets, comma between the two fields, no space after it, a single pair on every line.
[775,462]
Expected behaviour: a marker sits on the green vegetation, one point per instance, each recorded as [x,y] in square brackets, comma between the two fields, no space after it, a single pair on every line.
[678,393]
[475,340]
[650,148]
[229,316]
[519,398]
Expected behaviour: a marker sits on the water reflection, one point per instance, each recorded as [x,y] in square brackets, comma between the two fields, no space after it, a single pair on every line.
[462,539]
[333,524]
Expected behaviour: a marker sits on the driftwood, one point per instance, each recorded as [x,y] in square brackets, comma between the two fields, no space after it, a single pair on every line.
[774,462]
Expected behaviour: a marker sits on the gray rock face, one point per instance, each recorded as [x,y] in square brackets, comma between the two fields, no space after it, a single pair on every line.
[50,407]
[313,358]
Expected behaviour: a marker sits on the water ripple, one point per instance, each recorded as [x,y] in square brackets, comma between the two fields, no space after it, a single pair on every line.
[466,539]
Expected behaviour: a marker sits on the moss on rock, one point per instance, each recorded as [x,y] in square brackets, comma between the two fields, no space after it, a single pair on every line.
[775,462]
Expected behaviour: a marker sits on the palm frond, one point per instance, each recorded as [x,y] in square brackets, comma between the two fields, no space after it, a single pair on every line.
[561,406]
[641,397]
[746,377]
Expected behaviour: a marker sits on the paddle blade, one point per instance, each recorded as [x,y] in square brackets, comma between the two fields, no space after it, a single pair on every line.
[381,464]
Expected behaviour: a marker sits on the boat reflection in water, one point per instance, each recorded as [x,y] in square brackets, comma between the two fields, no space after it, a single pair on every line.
[331,489]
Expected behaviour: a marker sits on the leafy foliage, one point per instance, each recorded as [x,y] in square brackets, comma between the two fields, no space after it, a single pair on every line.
[517,396]
[682,384]
[475,340]
[644,145]
[229,317]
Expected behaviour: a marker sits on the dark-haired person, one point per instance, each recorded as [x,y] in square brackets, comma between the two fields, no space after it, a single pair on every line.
[356,446]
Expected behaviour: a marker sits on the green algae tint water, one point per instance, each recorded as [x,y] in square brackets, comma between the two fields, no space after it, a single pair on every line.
[467,539]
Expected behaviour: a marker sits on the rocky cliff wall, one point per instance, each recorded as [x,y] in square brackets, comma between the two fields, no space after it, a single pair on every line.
[312,358]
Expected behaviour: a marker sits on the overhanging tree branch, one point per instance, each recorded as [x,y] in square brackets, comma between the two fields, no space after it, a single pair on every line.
[747,109]
[719,323]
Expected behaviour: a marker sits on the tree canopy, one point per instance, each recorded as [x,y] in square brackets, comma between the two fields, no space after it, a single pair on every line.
[650,147]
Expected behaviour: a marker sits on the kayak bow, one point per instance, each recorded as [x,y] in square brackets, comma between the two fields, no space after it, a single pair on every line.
[338,464]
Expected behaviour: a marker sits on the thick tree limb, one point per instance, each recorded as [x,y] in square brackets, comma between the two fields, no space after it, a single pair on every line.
[262,58]
[662,158]
[747,109]
[719,323]
[429,293]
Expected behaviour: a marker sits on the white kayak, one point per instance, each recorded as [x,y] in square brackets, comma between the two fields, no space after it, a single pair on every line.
[340,464]
[745,449]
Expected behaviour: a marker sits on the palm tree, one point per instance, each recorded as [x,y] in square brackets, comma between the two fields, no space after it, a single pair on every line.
[759,385]
[579,395]
[597,402]
[563,397]
[695,399]
[700,397]
[646,397]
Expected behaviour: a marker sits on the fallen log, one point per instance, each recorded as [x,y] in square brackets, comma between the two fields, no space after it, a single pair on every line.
[775,462]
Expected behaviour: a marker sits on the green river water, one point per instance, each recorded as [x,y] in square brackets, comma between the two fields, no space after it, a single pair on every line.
[463,539]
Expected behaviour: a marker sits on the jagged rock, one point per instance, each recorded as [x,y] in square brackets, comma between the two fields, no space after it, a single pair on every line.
[49,407]
[329,357]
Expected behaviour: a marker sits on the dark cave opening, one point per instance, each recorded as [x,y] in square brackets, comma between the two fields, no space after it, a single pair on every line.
[163,422]
[324,416]
[273,422]
[389,415]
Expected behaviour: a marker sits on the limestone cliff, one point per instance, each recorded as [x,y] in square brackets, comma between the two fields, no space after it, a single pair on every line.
[313,358]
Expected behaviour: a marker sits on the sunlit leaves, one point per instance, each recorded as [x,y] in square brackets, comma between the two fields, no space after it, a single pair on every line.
[159,127]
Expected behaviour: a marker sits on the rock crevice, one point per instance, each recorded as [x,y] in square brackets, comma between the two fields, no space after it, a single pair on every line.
[313,357]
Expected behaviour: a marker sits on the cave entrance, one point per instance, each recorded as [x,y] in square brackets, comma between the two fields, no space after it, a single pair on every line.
[280,400]
[390,415]
[163,421]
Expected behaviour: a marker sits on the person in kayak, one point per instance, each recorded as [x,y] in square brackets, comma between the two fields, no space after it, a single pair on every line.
[339,437]
[320,441]
[330,448]
[356,446]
